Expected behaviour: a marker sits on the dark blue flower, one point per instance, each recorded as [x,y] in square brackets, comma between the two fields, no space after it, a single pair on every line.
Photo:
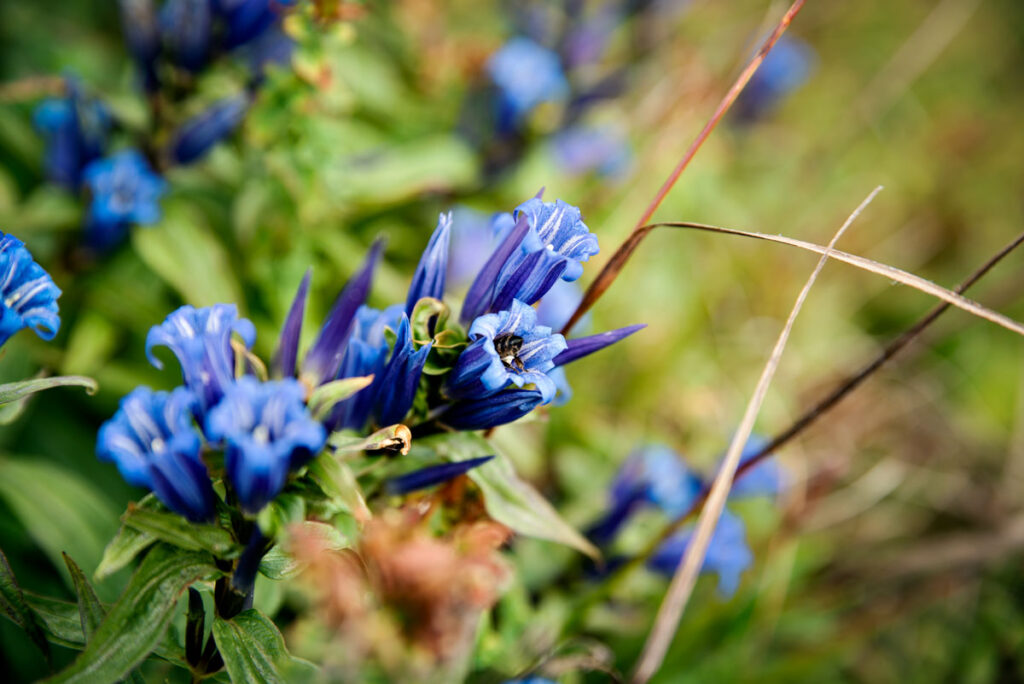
[526,75]
[199,134]
[491,411]
[283,363]
[201,341]
[763,479]
[269,48]
[584,149]
[506,348]
[154,444]
[266,430]
[186,28]
[324,358]
[429,278]
[788,65]
[365,354]
[248,19]
[28,295]
[124,191]
[728,554]
[142,36]
[397,385]
[433,475]
[75,129]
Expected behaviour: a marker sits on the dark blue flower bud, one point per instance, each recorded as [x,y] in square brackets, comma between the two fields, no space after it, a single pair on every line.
[75,130]
[142,36]
[247,19]
[199,134]
[398,383]
[584,346]
[185,26]
[433,475]
[492,411]
[429,278]
[283,364]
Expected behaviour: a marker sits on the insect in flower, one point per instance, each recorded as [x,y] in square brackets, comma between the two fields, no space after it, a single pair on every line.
[508,345]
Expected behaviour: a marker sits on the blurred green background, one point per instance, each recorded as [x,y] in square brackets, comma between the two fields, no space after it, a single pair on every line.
[896,554]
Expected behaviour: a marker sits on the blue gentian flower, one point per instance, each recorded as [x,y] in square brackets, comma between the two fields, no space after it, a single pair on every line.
[763,479]
[201,341]
[248,19]
[199,134]
[728,554]
[506,348]
[788,65]
[397,384]
[365,354]
[559,304]
[142,36]
[433,475]
[75,129]
[28,295]
[266,430]
[491,411]
[154,444]
[124,191]
[186,28]
[526,75]
[585,149]
[651,476]
[429,278]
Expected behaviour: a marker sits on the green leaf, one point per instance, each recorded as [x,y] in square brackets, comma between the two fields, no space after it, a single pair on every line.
[62,511]
[285,510]
[183,251]
[508,499]
[338,482]
[254,650]
[128,543]
[278,564]
[14,606]
[136,624]
[326,396]
[13,391]
[90,610]
[174,529]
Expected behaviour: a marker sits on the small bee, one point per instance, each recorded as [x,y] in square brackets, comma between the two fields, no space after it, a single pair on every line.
[508,345]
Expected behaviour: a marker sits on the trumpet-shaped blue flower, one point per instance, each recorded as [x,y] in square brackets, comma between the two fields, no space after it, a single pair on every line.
[788,65]
[728,554]
[124,191]
[583,149]
[763,479]
[186,27]
[28,295]
[397,384]
[200,133]
[429,278]
[154,444]
[491,411]
[201,341]
[75,129]
[526,74]
[266,430]
[506,348]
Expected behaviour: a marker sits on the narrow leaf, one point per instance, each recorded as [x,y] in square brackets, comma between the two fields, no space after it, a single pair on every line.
[254,650]
[14,606]
[136,624]
[326,396]
[90,610]
[278,564]
[13,391]
[338,482]
[128,543]
[174,529]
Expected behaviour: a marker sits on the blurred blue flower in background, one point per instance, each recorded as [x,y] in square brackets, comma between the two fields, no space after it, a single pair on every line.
[186,28]
[728,554]
[526,74]
[201,341]
[249,19]
[473,237]
[200,133]
[28,295]
[75,131]
[267,431]
[154,444]
[599,149]
[788,65]
[559,303]
[766,478]
[506,348]
[142,36]
[124,191]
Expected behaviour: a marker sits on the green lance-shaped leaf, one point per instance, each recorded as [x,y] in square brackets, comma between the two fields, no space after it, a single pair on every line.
[254,651]
[128,542]
[14,606]
[174,529]
[14,391]
[508,499]
[136,624]
[338,482]
[327,396]
[279,564]
[90,610]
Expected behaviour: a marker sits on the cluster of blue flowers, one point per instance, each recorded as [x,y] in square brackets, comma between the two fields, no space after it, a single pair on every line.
[265,428]
[182,36]
[658,477]
[28,295]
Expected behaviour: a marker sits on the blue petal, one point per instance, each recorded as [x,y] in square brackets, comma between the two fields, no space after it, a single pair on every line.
[429,278]
[433,475]
[482,291]
[28,295]
[728,554]
[287,354]
[492,411]
[401,378]
[584,346]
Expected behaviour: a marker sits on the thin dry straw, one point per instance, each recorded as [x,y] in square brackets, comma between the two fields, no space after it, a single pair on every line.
[618,260]
[667,620]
